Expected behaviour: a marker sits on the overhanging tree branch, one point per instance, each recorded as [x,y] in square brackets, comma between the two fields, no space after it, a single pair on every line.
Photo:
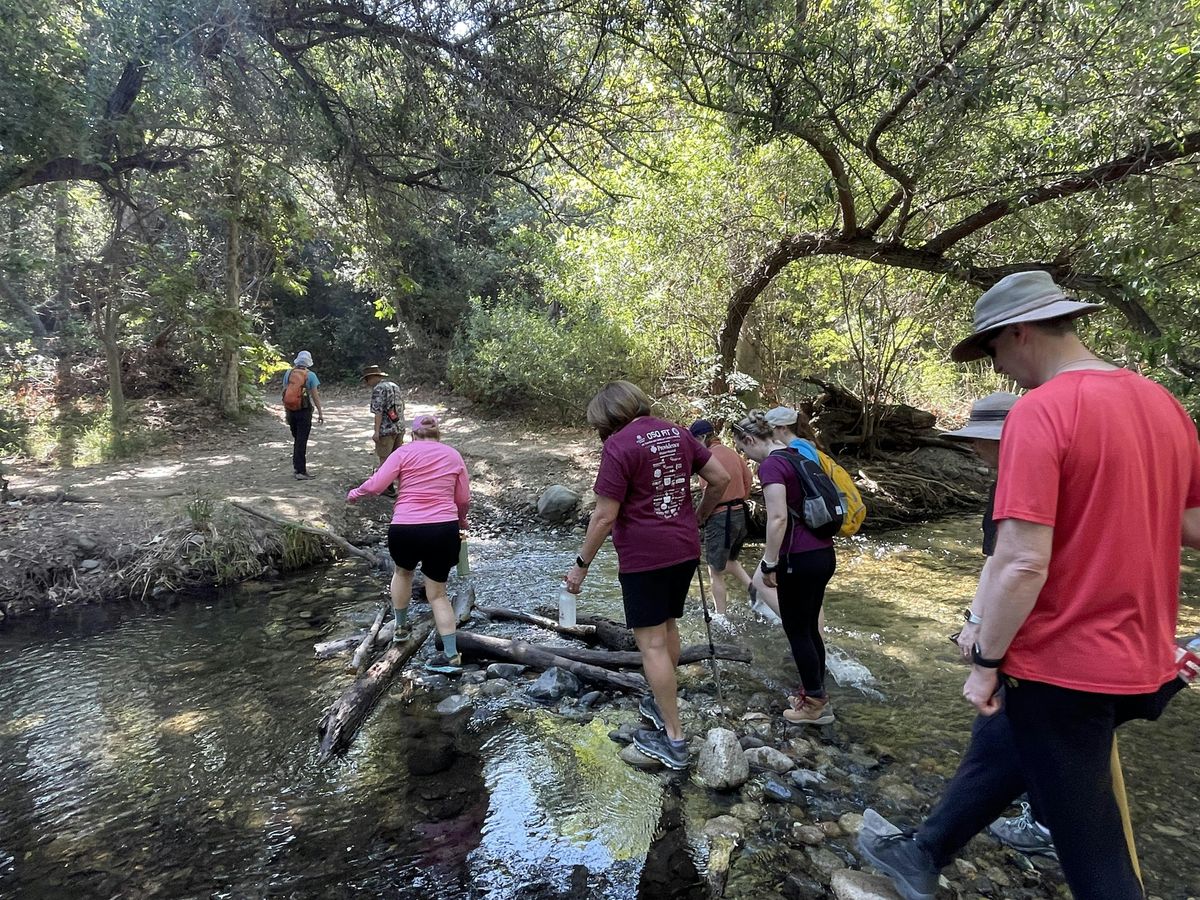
[1137,163]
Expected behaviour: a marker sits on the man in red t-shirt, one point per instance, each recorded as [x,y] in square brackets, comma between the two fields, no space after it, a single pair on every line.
[1099,476]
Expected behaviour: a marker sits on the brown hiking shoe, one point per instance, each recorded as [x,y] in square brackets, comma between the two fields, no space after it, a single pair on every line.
[812,711]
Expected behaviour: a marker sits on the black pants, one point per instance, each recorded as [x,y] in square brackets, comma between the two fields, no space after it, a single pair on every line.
[300,421]
[802,579]
[1057,744]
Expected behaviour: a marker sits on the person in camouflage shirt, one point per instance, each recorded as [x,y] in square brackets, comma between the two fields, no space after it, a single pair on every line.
[388,407]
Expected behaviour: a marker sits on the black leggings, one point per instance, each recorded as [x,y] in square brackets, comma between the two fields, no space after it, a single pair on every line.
[1056,743]
[300,422]
[802,579]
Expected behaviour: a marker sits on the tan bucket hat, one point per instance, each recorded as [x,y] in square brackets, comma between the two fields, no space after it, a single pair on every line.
[987,418]
[373,370]
[1021,297]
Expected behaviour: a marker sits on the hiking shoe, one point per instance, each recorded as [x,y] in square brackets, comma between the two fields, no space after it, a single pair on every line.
[402,634]
[447,665]
[913,873]
[656,745]
[812,711]
[303,476]
[648,710]
[1024,833]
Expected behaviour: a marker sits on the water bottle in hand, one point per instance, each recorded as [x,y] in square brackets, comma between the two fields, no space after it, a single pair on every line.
[566,606]
[1187,658]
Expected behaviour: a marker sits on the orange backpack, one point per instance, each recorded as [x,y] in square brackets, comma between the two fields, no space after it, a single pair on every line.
[295,391]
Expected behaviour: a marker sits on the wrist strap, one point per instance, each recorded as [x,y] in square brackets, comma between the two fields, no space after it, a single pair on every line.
[579,562]
[971,618]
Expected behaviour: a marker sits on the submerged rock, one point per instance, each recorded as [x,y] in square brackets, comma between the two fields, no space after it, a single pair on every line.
[553,684]
[455,703]
[722,764]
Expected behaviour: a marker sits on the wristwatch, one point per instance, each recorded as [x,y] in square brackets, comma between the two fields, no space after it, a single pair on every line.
[579,562]
[768,568]
[980,660]
[970,617]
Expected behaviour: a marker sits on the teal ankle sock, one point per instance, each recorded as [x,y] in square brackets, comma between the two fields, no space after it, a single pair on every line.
[401,616]
[450,645]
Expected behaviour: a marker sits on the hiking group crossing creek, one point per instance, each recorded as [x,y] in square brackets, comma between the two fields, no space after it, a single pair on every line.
[171,751]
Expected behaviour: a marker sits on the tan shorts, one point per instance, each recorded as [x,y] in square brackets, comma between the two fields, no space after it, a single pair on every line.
[386,444]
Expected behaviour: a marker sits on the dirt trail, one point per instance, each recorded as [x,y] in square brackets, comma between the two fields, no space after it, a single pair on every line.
[49,546]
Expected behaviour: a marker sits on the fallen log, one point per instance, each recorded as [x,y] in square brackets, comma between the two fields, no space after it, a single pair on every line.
[632,659]
[338,646]
[527,654]
[581,632]
[381,561]
[341,720]
[368,642]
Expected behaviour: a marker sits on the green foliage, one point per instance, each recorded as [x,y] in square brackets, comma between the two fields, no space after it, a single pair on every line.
[515,356]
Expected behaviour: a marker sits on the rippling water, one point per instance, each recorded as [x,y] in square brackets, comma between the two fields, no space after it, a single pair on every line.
[171,752]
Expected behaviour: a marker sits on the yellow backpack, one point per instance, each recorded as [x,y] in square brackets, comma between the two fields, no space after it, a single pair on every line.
[852,501]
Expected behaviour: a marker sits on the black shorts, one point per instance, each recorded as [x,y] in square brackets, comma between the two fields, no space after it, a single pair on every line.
[654,596]
[435,547]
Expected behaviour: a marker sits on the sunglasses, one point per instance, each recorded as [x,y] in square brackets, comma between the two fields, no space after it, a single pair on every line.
[989,346]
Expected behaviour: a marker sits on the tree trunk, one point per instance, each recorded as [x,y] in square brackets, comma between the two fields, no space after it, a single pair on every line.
[112,359]
[64,397]
[231,316]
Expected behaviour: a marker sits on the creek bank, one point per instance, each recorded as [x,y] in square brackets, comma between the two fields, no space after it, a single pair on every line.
[163,523]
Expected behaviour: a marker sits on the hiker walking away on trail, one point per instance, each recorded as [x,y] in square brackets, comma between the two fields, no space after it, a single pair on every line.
[1099,478]
[983,431]
[796,562]
[388,407]
[300,397]
[725,529]
[428,520]
[644,497]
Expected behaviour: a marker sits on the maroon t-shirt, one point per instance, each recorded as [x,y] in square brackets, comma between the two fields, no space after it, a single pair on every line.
[647,467]
[774,470]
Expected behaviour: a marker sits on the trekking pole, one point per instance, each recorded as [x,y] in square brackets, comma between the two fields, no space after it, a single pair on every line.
[712,650]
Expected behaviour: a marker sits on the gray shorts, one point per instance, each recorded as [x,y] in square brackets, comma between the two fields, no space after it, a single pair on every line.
[724,534]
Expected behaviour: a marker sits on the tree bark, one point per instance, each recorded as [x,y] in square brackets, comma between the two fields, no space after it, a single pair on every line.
[66,413]
[340,722]
[528,654]
[368,642]
[230,320]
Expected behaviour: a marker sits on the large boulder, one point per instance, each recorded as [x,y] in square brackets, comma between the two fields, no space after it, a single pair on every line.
[848,884]
[722,764]
[554,684]
[557,503]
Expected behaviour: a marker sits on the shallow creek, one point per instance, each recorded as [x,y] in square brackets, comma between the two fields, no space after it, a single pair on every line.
[171,751]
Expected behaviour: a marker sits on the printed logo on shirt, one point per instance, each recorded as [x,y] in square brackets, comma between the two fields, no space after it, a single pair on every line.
[670,470]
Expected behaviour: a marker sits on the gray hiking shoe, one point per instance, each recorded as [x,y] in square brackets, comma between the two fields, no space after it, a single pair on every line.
[648,710]
[656,745]
[897,855]
[402,634]
[447,665]
[1024,833]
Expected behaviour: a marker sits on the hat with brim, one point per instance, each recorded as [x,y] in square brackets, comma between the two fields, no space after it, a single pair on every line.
[372,372]
[1021,297]
[781,415]
[987,418]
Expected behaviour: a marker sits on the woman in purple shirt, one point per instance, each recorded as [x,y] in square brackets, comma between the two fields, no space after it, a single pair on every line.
[644,497]
[795,560]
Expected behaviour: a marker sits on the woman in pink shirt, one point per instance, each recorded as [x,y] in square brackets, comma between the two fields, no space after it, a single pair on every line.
[430,512]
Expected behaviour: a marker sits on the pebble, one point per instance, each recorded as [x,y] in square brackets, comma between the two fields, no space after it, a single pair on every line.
[770,759]
[726,826]
[807,778]
[504,670]
[850,823]
[774,790]
[623,735]
[901,794]
[808,834]
[591,697]
[750,741]
[830,829]
[966,868]
[824,860]
[747,811]
[494,688]
[473,678]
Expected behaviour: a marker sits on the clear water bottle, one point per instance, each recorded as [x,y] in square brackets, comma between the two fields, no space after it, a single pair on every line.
[1187,658]
[566,606]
